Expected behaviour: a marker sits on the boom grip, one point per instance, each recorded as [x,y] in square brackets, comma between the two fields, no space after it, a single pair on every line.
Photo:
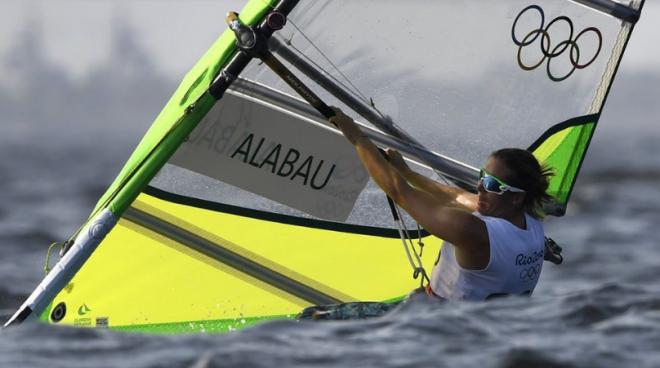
[297,85]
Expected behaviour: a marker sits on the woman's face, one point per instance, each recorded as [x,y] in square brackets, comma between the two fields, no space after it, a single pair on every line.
[492,204]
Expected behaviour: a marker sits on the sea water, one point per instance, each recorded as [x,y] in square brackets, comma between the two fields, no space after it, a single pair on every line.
[601,308]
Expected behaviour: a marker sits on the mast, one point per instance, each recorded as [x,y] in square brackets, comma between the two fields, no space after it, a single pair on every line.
[103,220]
[618,10]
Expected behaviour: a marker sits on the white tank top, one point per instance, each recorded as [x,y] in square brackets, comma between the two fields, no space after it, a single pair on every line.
[516,259]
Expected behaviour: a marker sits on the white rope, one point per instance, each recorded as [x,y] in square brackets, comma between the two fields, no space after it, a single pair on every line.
[418,267]
[361,95]
[412,246]
[327,73]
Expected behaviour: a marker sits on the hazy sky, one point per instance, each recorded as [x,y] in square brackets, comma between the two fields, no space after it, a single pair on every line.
[77,32]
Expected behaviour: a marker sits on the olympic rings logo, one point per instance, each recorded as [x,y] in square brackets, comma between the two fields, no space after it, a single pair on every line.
[549,51]
[530,274]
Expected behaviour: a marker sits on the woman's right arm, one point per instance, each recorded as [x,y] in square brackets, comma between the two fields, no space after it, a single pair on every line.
[449,196]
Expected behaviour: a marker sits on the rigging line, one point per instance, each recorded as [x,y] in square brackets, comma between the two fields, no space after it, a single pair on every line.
[405,246]
[357,94]
[408,236]
[403,236]
[364,98]
[418,268]
[420,265]
[401,227]
[464,174]
[328,59]
[420,242]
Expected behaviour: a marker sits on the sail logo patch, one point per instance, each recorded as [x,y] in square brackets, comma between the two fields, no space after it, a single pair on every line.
[102,322]
[289,164]
[580,54]
[83,309]
[277,154]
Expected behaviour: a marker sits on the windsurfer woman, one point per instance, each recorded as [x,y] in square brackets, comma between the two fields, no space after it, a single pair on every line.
[494,240]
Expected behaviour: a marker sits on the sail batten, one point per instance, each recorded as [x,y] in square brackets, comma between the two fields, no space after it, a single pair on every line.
[223,254]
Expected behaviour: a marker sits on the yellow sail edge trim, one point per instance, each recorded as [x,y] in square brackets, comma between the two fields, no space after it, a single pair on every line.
[138,277]
[551,144]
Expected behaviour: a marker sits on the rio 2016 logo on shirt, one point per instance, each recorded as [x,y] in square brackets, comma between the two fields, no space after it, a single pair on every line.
[531,265]
[531,273]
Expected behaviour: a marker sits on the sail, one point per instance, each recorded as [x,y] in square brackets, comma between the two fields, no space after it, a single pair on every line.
[246,205]
[467,78]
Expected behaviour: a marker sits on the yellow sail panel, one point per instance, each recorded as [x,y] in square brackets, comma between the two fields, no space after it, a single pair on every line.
[137,277]
[330,260]
[179,266]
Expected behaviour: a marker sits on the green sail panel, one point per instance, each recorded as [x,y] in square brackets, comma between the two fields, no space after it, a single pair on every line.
[564,150]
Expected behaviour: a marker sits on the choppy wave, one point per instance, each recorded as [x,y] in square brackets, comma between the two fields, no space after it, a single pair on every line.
[601,308]
[613,325]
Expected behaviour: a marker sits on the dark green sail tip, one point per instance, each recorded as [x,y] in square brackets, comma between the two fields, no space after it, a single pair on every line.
[555,209]
[562,148]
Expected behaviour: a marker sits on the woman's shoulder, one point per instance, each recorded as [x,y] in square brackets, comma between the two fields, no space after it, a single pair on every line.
[533,221]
